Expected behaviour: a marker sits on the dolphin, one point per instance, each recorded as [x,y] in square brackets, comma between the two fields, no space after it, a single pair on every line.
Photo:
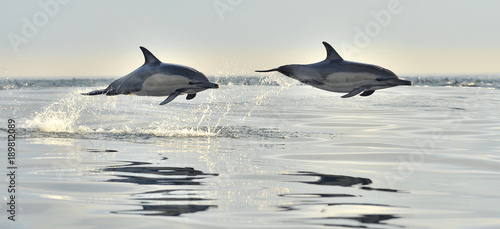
[155,78]
[337,75]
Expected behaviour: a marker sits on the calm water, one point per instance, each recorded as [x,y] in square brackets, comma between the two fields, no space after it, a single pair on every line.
[256,153]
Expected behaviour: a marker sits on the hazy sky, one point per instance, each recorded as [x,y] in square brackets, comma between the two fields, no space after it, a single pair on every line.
[235,37]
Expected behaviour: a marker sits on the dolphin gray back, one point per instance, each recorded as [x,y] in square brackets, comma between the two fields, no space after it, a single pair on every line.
[334,62]
[180,70]
[134,80]
[131,82]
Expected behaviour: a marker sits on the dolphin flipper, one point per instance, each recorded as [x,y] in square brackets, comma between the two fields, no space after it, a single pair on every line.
[190,96]
[354,92]
[170,97]
[367,93]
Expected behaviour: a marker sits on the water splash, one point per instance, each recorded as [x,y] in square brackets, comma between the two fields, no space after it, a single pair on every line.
[59,116]
[222,114]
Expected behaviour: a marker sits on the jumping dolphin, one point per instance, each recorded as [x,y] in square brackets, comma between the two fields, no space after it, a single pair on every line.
[337,75]
[155,78]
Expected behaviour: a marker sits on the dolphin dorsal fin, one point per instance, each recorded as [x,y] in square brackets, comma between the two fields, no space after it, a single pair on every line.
[149,57]
[331,54]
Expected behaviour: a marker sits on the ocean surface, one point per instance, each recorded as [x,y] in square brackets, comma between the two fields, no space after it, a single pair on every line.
[260,152]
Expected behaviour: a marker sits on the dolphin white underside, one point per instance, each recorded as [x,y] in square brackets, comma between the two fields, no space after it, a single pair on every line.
[164,85]
[347,81]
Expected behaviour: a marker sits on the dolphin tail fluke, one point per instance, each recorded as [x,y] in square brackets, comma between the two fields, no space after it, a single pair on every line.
[96,92]
[270,70]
